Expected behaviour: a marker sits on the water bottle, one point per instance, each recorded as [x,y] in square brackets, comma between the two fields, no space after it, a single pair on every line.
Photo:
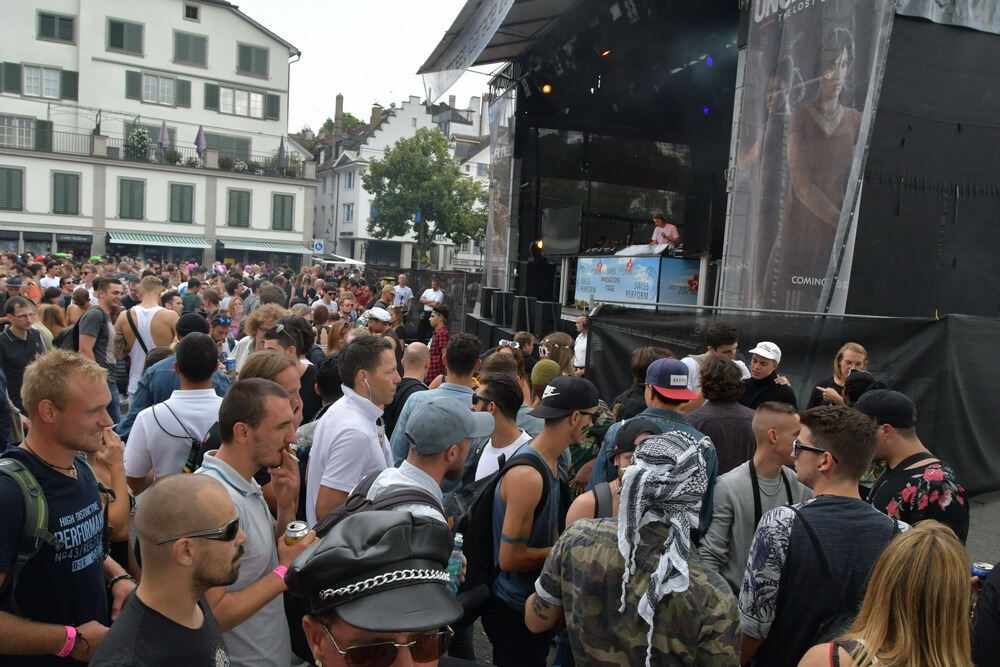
[455,564]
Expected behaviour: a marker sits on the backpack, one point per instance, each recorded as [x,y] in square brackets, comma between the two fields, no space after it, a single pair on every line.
[67,339]
[35,533]
[357,501]
[470,512]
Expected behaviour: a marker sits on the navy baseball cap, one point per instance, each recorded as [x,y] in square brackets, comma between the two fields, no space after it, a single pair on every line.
[669,378]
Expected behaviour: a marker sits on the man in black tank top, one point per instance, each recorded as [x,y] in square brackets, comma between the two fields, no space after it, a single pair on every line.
[809,563]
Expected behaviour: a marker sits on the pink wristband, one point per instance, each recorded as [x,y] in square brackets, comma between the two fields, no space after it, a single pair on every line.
[70,642]
[281,571]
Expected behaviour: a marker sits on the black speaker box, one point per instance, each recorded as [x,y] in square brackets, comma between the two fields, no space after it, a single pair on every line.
[524,307]
[546,318]
[486,302]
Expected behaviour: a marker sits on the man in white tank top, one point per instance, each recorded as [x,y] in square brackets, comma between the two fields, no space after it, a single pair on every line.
[155,325]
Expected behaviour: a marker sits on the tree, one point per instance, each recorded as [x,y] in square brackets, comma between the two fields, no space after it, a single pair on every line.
[351,121]
[419,187]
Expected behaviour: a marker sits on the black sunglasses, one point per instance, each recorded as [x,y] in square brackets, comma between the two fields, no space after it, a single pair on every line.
[799,446]
[426,647]
[225,533]
[476,398]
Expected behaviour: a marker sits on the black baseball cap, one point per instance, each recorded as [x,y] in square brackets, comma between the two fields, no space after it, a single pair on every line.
[629,431]
[564,395]
[890,407]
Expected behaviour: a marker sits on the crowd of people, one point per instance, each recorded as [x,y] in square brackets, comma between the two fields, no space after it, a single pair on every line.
[240,465]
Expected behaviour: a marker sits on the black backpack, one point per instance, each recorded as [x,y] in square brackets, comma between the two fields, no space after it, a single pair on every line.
[67,339]
[391,498]
[470,512]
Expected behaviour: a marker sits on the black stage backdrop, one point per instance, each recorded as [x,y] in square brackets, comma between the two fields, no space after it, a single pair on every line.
[941,364]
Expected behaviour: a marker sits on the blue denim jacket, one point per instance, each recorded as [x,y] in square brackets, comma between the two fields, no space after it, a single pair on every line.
[668,420]
[156,385]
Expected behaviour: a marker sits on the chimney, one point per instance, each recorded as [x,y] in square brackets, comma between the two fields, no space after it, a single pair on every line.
[376,116]
[451,101]
[338,117]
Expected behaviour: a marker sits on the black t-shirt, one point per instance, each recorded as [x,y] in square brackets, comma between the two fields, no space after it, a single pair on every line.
[143,636]
[15,355]
[311,402]
[928,491]
[816,397]
[764,390]
[64,586]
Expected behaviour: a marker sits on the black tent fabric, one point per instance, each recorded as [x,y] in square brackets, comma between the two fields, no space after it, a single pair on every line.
[943,365]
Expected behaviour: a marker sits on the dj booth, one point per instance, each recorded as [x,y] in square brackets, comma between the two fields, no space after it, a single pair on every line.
[640,275]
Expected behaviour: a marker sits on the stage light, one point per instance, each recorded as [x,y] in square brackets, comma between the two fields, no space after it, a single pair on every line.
[606,52]
[706,110]
[546,88]
[709,61]
[539,244]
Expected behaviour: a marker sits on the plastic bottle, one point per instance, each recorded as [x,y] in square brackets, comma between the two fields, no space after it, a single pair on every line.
[455,564]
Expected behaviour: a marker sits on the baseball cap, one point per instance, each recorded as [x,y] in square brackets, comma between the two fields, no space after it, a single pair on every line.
[669,378]
[191,323]
[890,407]
[380,314]
[382,571]
[768,350]
[564,395]
[14,281]
[441,422]
[388,289]
[630,430]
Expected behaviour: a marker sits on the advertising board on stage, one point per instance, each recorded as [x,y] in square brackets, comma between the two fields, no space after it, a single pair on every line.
[636,280]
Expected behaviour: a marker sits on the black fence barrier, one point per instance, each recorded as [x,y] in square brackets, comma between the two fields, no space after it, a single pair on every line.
[460,292]
[943,365]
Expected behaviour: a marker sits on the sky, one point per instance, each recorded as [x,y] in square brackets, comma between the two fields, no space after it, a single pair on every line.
[369,51]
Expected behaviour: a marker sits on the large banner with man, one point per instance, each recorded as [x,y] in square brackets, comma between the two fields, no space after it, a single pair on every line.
[809,89]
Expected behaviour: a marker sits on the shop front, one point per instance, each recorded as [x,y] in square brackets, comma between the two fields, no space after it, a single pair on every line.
[158,247]
[239,252]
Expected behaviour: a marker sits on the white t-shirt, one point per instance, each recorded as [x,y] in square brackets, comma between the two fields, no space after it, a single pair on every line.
[332,306]
[433,295]
[158,442]
[47,282]
[660,234]
[489,459]
[580,351]
[403,296]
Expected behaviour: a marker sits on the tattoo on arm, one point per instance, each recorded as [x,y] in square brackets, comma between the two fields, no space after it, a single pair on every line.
[512,540]
[540,607]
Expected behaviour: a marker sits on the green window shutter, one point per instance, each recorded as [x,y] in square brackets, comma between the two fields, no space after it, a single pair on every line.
[47,26]
[133,85]
[139,200]
[275,211]
[12,77]
[260,61]
[199,49]
[187,203]
[11,189]
[73,194]
[272,106]
[116,35]
[182,93]
[133,38]
[212,97]
[239,208]
[43,135]
[181,202]
[66,194]
[64,29]
[244,59]
[232,213]
[123,199]
[59,193]
[281,212]
[182,47]
[68,84]
[242,149]
[131,199]
[174,203]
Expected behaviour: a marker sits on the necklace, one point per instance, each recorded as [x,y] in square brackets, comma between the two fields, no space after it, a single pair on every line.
[70,469]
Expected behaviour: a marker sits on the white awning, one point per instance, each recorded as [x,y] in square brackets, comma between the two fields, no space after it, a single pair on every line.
[158,240]
[266,246]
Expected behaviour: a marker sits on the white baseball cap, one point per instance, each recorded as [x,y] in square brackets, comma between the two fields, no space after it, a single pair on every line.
[768,350]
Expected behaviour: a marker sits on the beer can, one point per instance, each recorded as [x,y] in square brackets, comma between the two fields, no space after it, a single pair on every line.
[230,366]
[982,570]
[295,531]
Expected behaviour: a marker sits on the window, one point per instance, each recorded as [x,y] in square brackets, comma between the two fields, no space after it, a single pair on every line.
[226,100]
[348,212]
[191,12]
[281,212]
[65,193]
[41,82]
[241,103]
[239,208]
[251,60]
[131,199]
[158,89]
[11,189]
[237,148]
[257,105]
[190,49]
[482,170]
[181,202]
[17,132]
[413,122]
[125,36]
[468,169]
[349,180]
[55,27]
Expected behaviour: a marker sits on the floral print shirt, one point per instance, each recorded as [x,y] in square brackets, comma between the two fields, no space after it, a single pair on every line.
[928,491]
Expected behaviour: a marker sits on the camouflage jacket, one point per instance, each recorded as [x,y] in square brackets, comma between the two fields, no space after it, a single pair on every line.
[583,575]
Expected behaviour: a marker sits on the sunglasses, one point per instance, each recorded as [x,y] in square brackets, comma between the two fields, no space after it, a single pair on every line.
[512,344]
[426,647]
[800,446]
[476,398]
[280,328]
[223,320]
[225,533]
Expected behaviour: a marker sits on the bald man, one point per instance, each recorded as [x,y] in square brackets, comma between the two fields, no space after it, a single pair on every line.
[190,540]
[416,358]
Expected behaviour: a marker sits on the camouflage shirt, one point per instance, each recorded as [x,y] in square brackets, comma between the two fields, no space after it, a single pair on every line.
[583,575]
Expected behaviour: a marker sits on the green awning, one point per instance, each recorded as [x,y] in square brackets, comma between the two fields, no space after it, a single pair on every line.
[266,246]
[158,239]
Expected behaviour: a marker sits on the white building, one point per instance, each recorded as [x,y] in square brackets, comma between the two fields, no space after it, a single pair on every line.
[343,206]
[79,76]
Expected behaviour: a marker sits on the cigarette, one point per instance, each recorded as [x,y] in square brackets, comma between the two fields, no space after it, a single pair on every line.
[288,448]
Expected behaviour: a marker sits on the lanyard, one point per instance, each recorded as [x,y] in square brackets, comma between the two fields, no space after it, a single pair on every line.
[757,513]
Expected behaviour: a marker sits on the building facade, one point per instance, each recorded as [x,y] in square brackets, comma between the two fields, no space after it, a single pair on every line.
[149,129]
[343,206]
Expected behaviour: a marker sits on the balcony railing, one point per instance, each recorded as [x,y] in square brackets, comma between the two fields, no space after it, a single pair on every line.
[113,148]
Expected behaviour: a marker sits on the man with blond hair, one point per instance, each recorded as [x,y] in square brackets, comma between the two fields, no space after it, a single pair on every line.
[55,605]
[146,326]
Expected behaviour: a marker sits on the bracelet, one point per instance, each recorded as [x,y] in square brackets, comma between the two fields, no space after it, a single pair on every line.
[117,578]
[69,644]
[281,571]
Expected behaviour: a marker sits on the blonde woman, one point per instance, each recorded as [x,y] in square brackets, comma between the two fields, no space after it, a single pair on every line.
[830,391]
[257,322]
[50,322]
[908,620]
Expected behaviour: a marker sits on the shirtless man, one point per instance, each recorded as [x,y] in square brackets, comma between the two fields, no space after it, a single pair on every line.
[157,327]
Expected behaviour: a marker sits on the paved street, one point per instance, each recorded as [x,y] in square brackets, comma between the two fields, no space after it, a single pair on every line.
[984,529]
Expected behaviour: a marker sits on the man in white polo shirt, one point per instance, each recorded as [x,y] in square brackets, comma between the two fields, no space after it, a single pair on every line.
[161,436]
[349,442]
[431,298]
